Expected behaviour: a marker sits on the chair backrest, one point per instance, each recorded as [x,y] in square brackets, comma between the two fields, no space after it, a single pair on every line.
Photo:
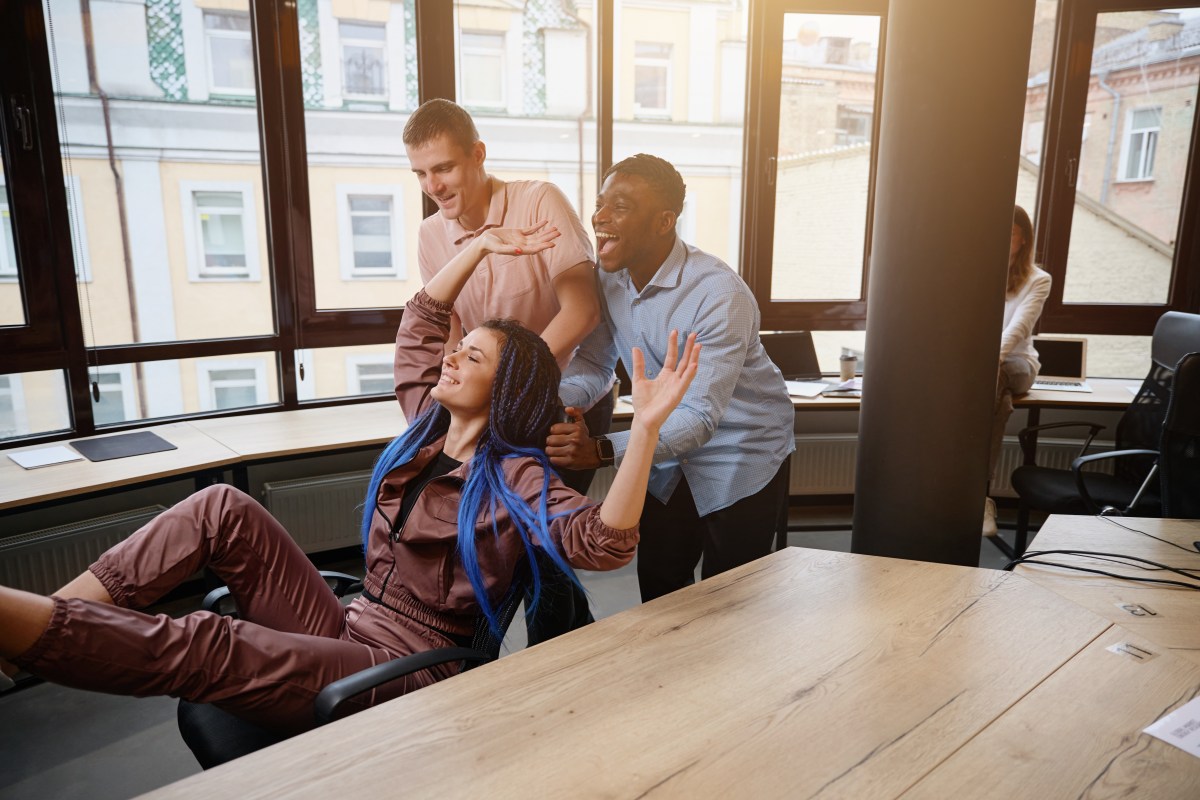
[1179,462]
[484,640]
[1140,427]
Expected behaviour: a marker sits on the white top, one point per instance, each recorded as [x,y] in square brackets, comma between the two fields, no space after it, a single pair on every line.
[1021,311]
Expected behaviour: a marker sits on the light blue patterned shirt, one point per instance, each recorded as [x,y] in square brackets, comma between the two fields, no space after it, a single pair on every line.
[734,426]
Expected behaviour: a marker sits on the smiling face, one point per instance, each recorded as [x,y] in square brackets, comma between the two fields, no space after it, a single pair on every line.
[634,230]
[454,178]
[468,373]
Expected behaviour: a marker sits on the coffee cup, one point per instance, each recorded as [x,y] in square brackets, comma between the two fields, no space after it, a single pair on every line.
[847,365]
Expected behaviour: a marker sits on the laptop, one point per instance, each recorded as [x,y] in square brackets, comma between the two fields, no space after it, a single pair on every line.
[1064,364]
[793,352]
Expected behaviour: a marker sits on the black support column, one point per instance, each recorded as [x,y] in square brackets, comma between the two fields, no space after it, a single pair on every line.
[950,130]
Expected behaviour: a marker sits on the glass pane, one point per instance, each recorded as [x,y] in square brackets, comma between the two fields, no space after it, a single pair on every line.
[1041,55]
[359,69]
[12,306]
[832,345]
[1133,158]
[192,262]
[826,110]
[345,371]
[33,403]
[1116,356]
[679,83]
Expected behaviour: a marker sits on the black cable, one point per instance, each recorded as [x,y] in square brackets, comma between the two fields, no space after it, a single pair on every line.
[1151,535]
[1032,558]
[1187,572]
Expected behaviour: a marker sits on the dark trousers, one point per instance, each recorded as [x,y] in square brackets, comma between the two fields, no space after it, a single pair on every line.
[563,606]
[675,536]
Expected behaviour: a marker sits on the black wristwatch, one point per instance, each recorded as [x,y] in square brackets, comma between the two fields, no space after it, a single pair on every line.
[604,450]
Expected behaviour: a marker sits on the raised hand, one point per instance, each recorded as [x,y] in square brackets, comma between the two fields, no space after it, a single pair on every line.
[519,241]
[654,400]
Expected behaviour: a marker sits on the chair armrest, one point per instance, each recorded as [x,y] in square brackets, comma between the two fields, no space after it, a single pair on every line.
[1081,461]
[341,584]
[333,695]
[1028,437]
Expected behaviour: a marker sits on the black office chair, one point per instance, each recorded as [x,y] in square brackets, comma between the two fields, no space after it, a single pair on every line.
[1131,489]
[216,736]
[1179,458]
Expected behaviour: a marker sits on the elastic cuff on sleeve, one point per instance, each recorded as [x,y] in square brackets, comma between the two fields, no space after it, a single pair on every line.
[608,532]
[437,305]
[58,617]
[111,582]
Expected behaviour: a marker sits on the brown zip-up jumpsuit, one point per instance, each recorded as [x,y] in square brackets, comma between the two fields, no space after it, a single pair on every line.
[294,636]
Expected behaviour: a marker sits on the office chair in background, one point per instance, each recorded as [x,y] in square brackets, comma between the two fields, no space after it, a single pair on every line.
[1132,488]
[1179,458]
[216,736]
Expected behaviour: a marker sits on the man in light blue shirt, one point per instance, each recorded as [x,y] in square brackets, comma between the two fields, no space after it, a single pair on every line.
[717,484]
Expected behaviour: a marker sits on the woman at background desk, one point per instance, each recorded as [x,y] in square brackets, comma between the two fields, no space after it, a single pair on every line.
[454,504]
[1024,295]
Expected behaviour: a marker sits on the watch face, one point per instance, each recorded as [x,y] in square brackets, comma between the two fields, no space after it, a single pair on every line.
[605,447]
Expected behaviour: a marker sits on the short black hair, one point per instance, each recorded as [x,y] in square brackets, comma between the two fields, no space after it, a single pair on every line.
[439,117]
[660,174]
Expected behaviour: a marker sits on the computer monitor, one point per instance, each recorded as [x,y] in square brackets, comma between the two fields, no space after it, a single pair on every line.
[1062,357]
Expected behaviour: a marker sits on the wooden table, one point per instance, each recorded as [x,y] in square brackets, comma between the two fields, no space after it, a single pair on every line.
[195,453]
[805,673]
[1168,616]
[1108,394]
[285,434]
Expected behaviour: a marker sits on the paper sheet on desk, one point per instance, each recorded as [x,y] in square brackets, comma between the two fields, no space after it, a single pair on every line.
[805,388]
[1181,728]
[45,456]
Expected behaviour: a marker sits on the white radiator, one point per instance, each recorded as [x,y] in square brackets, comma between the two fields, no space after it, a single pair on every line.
[320,513]
[823,464]
[43,561]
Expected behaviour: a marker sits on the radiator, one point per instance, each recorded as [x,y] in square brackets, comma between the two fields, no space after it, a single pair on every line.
[320,513]
[43,561]
[823,464]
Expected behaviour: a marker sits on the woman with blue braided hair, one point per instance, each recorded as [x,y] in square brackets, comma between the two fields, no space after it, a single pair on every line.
[455,504]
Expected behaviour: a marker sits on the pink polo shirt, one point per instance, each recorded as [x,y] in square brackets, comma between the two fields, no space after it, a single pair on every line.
[519,287]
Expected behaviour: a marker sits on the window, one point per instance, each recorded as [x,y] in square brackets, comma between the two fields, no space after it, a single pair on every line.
[853,124]
[231,384]
[1119,163]
[482,69]
[1141,140]
[12,407]
[79,242]
[116,402]
[230,53]
[651,79]
[370,374]
[8,252]
[219,231]
[364,60]
[369,231]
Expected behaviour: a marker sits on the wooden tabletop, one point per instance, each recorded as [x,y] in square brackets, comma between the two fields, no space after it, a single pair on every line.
[803,673]
[1079,734]
[194,452]
[1167,616]
[306,430]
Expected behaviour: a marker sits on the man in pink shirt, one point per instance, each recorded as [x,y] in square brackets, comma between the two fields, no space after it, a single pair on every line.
[553,293]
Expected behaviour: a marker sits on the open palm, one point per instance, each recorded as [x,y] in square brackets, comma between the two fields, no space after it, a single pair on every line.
[655,399]
[519,241]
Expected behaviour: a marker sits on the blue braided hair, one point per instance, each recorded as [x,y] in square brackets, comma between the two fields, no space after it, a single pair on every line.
[524,404]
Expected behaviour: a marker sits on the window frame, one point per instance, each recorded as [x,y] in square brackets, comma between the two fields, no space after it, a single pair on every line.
[207,386]
[354,377]
[664,62]
[193,232]
[221,33]
[1147,154]
[348,270]
[501,54]
[381,45]
[1066,115]
[764,75]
